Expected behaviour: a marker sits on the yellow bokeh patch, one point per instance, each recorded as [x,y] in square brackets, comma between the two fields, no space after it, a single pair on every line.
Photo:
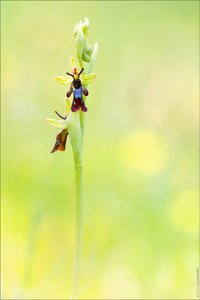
[144,151]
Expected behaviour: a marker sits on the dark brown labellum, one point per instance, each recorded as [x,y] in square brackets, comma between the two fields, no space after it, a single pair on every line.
[61,139]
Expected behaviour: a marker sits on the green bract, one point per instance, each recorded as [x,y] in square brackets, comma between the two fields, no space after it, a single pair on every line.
[93,58]
[80,43]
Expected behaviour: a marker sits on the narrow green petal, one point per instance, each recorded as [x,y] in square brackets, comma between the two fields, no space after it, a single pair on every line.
[65,80]
[87,79]
[57,123]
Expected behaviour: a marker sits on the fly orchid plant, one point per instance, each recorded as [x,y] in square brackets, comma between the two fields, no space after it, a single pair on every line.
[72,124]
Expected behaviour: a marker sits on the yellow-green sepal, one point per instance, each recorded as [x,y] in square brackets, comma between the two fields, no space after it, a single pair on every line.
[73,62]
[89,78]
[57,123]
[65,80]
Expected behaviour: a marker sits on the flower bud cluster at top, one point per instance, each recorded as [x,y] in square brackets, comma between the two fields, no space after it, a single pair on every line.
[85,52]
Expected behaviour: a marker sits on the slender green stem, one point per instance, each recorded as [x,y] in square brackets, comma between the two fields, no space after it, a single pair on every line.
[79,234]
[76,129]
[82,117]
[75,134]
[74,126]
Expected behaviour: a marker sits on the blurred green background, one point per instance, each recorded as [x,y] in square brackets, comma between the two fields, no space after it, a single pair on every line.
[140,151]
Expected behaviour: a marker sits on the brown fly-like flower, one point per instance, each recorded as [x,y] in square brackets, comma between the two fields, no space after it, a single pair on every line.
[73,105]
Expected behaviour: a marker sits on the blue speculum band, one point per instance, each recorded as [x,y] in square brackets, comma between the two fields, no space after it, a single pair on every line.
[78,93]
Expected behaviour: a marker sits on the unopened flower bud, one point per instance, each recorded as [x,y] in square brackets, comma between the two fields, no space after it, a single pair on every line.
[85,26]
[80,41]
[87,52]
[93,58]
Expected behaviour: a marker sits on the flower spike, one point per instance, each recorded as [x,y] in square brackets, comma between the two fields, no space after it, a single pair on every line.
[72,123]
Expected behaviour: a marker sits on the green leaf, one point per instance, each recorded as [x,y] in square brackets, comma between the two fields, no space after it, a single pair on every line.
[65,80]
